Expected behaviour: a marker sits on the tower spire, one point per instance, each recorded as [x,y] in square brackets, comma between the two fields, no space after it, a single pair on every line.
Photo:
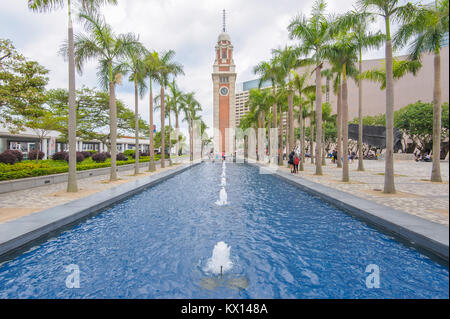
[224,22]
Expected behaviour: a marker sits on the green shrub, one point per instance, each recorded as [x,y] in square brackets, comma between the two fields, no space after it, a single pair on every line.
[129,153]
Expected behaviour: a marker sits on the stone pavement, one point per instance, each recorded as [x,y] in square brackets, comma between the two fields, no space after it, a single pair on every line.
[24,202]
[415,194]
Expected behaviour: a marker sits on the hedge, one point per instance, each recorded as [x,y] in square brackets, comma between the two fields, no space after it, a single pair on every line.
[24,170]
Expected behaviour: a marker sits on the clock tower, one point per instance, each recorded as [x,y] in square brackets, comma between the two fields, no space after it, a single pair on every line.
[224,96]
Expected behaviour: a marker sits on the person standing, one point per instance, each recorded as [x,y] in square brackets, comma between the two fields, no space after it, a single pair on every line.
[296,162]
[291,161]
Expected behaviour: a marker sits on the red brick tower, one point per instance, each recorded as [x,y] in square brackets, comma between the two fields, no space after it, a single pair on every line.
[224,88]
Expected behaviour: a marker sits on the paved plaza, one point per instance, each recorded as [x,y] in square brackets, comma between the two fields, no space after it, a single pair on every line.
[415,193]
[21,203]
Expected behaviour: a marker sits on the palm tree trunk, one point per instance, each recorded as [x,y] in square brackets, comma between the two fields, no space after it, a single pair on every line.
[170,138]
[163,130]
[275,115]
[191,140]
[151,166]
[360,121]
[72,186]
[323,145]
[280,138]
[302,140]
[437,114]
[113,130]
[318,120]
[262,147]
[177,132]
[136,127]
[345,170]
[291,122]
[339,127]
[389,184]
[311,125]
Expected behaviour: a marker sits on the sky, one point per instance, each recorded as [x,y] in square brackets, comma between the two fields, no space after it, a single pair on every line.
[189,27]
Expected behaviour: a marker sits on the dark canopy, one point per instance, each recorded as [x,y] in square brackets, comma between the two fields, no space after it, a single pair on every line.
[375,136]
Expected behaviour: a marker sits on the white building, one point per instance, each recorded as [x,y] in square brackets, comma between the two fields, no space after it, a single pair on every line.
[28,140]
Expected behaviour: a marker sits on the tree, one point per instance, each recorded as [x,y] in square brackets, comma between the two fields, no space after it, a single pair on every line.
[152,65]
[166,68]
[342,54]
[135,65]
[288,61]
[416,120]
[100,43]
[42,124]
[390,10]
[176,100]
[300,84]
[358,22]
[168,103]
[376,120]
[22,86]
[191,107]
[326,119]
[92,115]
[248,121]
[311,114]
[399,69]
[428,28]
[204,137]
[270,71]
[50,5]
[314,34]
[259,104]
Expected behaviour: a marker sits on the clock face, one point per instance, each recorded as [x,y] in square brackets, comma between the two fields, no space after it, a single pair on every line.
[224,91]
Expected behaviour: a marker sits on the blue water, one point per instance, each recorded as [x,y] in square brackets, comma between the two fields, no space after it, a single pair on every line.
[286,243]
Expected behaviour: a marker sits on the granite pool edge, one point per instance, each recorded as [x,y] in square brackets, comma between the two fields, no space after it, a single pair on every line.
[421,233]
[23,231]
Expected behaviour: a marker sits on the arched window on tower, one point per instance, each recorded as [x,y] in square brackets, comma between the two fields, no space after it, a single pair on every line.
[224,53]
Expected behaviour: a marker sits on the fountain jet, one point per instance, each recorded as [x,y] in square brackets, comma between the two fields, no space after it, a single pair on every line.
[220,261]
[222,197]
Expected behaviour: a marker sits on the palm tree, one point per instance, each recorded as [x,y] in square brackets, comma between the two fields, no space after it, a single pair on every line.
[175,107]
[204,137]
[326,117]
[167,68]
[343,55]
[248,121]
[314,34]
[428,28]
[270,71]
[191,107]
[168,103]
[311,114]
[281,100]
[399,69]
[103,45]
[152,65]
[50,5]
[288,61]
[358,22]
[390,10]
[135,65]
[299,82]
[259,103]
